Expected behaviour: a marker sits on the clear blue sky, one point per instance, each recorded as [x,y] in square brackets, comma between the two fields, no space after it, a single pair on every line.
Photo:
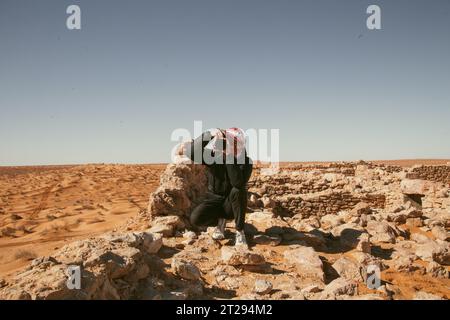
[115,90]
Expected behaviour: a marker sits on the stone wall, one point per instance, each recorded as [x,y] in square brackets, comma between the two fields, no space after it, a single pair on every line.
[329,202]
[306,190]
[430,173]
[294,183]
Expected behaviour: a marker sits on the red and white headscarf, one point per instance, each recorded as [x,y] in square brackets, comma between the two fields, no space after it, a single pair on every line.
[235,138]
[235,141]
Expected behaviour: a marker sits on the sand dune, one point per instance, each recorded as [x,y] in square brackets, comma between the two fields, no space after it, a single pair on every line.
[44,207]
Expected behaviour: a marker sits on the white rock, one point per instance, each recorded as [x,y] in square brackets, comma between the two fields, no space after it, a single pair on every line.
[307,262]
[185,269]
[438,251]
[330,221]
[166,225]
[151,242]
[236,256]
[414,186]
[339,287]
[262,287]
[380,231]
[267,240]
[421,295]
[437,271]
[348,269]
[440,233]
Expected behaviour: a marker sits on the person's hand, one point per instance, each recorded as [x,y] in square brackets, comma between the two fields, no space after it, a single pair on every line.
[217,133]
[181,151]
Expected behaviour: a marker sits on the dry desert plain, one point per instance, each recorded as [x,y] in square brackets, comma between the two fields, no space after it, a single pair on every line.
[43,208]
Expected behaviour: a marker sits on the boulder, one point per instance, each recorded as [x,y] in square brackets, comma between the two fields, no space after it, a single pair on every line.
[313,238]
[438,251]
[440,233]
[380,231]
[337,231]
[329,221]
[306,261]
[239,256]
[338,287]
[348,269]
[185,269]
[415,186]
[360,209]
[262,287]
[355,239]
[181,187]
[437,271]
[151,242]
[268,202]
[110,268]
[166,225]
[401,215]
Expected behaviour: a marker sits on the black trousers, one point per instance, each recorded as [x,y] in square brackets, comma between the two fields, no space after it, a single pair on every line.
[215,206]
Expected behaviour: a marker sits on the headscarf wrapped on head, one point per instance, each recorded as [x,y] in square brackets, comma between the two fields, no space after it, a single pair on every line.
[232,140]
[235,138]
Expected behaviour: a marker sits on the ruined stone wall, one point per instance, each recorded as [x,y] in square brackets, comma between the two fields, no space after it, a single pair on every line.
[347,168]
[307,190]
[329,202]
[430,173]
[289,183]
[317,191]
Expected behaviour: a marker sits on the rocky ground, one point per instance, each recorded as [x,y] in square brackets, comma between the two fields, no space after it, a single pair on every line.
[315,232]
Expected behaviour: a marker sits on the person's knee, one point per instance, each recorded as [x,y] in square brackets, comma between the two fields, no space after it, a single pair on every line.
[195,219]
[236,193]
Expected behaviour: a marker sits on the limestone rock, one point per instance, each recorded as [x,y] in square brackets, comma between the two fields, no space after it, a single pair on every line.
[151,242]
[263,287]
[267,240]
[355,239]
[268,202]
[185,269]
[437,271]
[339,287]
[110,266]
[414,186]
[330,221]
[381,231]
[360,209]
[181,187]
[438,251]
[440,233]
[237,256]
[166,225]
[348,269]
[307,262]
[311,289]
[421,295]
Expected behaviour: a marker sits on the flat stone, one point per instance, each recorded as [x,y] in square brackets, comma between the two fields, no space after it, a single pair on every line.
[236,256]
[262,287]
[307,262]
[185,269]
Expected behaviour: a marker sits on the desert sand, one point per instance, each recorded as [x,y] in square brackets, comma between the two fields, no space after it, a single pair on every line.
[44,207]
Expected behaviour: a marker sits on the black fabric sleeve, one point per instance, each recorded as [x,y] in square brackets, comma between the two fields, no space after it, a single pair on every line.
[197,146]
[236,175]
